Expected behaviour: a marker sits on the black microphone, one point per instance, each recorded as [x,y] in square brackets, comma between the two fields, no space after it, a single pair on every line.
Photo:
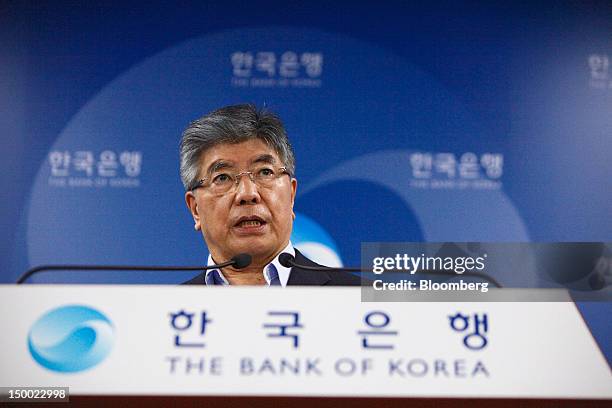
[288,261]
[239,261]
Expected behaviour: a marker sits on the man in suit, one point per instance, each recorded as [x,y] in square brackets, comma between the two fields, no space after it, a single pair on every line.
[238,168]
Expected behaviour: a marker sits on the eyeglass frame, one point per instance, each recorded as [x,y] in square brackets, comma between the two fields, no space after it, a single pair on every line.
[238,176]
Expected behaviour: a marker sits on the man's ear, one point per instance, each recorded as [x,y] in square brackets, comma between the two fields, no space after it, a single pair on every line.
[293,192]
[190,199]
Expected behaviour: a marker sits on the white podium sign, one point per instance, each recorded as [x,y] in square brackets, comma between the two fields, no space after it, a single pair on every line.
[196,340]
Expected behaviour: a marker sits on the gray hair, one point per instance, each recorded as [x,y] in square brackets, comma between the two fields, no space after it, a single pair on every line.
[232,125]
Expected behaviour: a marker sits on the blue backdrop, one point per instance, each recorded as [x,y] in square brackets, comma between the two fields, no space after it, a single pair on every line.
[438,122]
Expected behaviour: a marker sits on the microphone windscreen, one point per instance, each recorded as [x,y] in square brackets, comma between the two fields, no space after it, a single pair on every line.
[241,261]
[570,262]
[286,260]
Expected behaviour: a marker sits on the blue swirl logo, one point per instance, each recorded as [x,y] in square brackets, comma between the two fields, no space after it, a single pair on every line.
[71,338]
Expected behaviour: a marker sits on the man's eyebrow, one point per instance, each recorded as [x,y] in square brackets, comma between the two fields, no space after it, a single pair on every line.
[264,158]
[219,165]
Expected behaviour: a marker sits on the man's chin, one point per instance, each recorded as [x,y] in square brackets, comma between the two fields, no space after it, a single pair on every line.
[258,250]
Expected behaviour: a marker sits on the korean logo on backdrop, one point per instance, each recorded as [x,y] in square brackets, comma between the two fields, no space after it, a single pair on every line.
[267,69]
[599,65]
[442,170]
[84,168]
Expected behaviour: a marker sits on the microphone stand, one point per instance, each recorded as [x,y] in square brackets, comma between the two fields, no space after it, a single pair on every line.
[239,261]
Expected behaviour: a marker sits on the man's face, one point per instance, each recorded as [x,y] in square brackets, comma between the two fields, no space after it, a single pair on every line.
[249,218]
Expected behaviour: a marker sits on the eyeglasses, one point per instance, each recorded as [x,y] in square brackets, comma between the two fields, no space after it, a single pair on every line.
[222,183]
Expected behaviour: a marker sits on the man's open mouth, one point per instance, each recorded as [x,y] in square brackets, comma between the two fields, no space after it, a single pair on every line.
[249,222]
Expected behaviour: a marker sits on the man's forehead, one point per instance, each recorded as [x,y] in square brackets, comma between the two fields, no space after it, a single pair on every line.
[237,155]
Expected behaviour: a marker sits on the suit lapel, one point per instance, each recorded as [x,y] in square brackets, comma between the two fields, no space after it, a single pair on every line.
[303,277]
[198,280]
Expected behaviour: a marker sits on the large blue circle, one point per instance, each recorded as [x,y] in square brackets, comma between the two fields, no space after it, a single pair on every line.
[368,101]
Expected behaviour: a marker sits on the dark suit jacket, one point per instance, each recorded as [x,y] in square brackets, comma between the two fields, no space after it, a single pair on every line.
[303,277]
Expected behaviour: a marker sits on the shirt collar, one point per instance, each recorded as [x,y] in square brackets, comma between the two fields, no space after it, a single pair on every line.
[271,270]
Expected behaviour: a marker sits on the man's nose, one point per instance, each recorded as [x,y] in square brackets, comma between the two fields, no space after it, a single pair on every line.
[246,191]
